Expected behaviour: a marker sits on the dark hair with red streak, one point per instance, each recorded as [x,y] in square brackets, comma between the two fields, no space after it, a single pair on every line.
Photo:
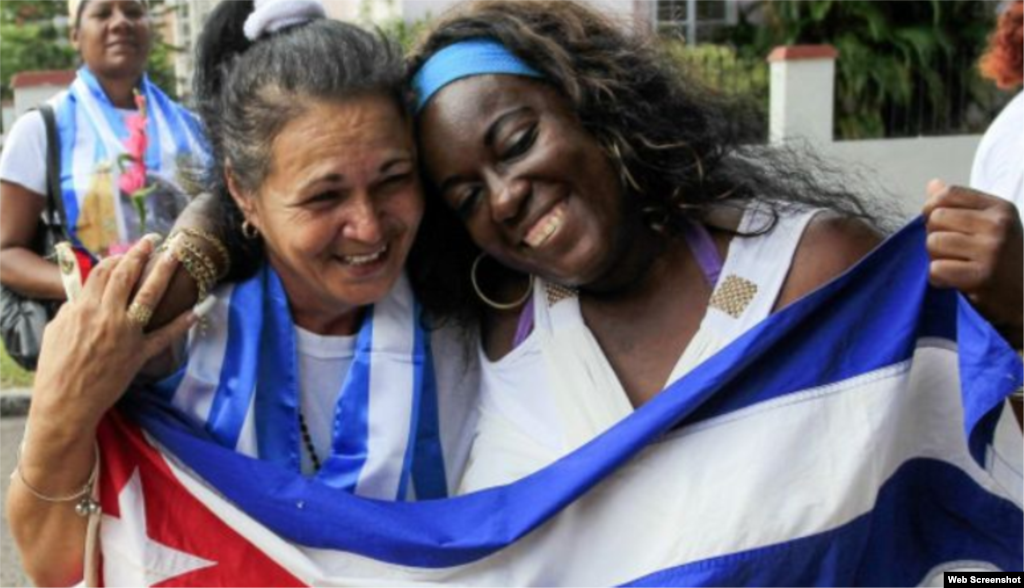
[1004,58]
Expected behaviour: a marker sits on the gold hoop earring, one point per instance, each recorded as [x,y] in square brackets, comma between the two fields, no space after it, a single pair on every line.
[250,232]
[497,305]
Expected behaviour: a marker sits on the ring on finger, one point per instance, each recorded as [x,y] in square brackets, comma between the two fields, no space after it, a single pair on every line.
[139,313]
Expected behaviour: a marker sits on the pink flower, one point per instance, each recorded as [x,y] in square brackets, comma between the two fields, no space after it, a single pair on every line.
[119,248]
[137,140]
[133,179]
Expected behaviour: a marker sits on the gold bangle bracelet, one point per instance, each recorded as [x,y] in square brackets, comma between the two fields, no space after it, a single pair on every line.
[214,242]
[198,265]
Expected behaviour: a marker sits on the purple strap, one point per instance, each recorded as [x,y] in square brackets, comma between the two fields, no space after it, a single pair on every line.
[704,251]
[525,326]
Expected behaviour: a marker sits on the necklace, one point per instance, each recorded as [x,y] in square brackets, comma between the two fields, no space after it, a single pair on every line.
[307,440]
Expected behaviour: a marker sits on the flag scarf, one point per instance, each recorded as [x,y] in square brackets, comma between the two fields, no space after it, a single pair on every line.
[240,386]
[92,136]
[858,437]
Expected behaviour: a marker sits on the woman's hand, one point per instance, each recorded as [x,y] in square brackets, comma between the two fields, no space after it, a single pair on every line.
[975,242]
[94,347]
[91,352]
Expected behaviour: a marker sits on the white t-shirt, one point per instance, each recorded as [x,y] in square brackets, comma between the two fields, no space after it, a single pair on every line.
[324,362]
[999,162]
[23,160]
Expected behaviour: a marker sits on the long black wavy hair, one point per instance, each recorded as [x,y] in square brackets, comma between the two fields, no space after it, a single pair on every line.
[678,147]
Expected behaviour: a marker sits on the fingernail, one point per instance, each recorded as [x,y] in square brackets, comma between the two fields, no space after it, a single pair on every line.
[205,306]
[154,238]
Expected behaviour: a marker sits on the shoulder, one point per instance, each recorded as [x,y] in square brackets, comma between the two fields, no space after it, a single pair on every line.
[830,245]
[999,148]
[24,148]
[29,130]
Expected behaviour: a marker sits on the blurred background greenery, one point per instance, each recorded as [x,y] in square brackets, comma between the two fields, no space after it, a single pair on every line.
[11,375]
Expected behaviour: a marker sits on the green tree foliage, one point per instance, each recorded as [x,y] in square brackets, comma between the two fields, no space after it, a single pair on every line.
[30,39]
[21,11]
[902,65]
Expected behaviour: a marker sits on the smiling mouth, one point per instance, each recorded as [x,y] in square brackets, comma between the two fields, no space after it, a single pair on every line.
[546,226]
[361,260]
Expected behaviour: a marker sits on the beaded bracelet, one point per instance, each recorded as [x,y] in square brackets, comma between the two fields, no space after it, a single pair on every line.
[213,241]
[86,505]
[198,265]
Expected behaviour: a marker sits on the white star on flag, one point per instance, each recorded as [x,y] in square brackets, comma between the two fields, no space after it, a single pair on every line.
[141,560]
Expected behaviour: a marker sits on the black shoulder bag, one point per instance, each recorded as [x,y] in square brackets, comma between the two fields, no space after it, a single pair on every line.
[22,319]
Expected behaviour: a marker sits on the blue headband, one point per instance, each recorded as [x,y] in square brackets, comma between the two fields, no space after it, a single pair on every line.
[462,60]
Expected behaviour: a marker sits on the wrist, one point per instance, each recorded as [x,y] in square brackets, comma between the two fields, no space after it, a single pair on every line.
[53,432]
[61,482]
[202,255]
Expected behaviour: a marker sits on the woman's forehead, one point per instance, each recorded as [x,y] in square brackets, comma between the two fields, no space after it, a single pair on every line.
[77,7]
[476,100]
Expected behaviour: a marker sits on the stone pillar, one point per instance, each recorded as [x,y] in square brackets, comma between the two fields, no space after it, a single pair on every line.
[802,93]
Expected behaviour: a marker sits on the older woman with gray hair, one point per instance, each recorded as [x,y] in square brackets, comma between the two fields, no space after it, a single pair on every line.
[315,174]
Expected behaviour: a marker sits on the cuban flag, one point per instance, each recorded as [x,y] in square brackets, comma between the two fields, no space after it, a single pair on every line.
[858,437]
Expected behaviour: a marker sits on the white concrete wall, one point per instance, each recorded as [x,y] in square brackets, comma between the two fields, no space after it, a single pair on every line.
[810,117]
[801,111]
[27,98]
[8,117]
[904,166]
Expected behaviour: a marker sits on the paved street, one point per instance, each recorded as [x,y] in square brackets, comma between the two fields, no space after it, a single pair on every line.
[11,429]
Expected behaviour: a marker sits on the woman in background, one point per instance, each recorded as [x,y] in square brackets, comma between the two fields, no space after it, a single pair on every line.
[999,162]
[114,39]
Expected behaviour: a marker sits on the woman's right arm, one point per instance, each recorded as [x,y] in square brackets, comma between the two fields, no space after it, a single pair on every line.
[24,271]
[22,200]
[91,352]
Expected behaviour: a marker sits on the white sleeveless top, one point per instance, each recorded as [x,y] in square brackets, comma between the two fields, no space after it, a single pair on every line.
[557,390]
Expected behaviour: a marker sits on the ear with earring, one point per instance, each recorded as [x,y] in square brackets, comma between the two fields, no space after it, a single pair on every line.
[491,302]
[249,231]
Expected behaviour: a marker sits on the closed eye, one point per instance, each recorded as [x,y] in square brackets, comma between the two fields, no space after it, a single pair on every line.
[321,197]
[397,178]
[468,202]
[521,143]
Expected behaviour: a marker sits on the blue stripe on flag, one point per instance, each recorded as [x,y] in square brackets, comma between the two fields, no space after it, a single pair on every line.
[989,357]
[428,470]
[237,374]
[183,128]
[154,156]
[897,543]
[64,114]
[351,429]
[786,347]
[110,113]
[276,403]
